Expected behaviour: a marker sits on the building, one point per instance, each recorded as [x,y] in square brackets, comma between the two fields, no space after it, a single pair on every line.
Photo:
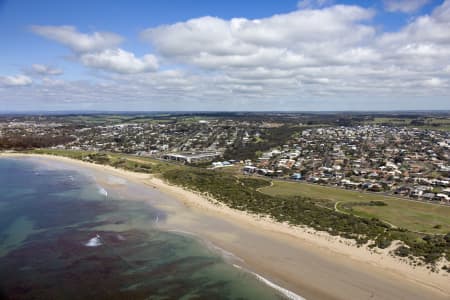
[191,158]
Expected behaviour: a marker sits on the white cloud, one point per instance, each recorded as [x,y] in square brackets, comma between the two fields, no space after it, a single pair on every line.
[45,70]
[15,81]
[330,51]
[306,4]
[315,58]
[77,41]
[97,50]
[120,61]
[432,28]
[421,46]
[290,40]
[434,82]
[405,6]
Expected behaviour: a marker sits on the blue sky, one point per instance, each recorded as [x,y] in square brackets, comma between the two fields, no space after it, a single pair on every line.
[224,55]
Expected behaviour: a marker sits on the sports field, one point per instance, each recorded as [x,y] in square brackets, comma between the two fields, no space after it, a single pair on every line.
[415,216]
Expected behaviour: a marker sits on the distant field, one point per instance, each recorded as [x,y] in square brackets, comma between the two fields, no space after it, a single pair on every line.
[445,127]
[412,215]
[395,121]
[118,119]
[428,123]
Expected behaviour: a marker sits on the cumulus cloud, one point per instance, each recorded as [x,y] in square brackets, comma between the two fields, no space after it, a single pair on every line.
[15,81]
[433,29]
[326,51]
[97,50]
[296,39]
[120,61]
[405,6]
[45,70]
[423,45]
[316,57]
[77,41]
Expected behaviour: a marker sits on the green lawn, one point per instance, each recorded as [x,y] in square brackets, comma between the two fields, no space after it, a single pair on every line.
[412,215]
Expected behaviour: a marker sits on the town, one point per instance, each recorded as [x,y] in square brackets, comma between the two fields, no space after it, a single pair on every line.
[390,158]
[403,161]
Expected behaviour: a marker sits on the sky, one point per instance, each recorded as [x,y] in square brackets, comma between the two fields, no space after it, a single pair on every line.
[198,55]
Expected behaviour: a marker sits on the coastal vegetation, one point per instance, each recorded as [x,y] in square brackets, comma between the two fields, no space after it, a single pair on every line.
[254,195]
[243,194]
[32,141]
[413,215]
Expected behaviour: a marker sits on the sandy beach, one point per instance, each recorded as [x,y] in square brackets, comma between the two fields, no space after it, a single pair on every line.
[312,264]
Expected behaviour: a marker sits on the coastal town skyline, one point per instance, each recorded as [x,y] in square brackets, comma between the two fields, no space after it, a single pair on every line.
[204,56]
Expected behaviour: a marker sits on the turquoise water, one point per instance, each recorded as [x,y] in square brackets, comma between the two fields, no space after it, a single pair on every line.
[61,237]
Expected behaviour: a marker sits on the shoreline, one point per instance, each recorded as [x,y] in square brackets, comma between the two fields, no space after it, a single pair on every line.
[343,252]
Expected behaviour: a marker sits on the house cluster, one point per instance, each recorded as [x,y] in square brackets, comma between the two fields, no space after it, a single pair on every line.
[404,161]
[156,139]
[400,160]
[34,128]
[187,140]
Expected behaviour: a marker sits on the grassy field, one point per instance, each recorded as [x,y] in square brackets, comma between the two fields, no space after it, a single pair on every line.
[408,214]
[431,123]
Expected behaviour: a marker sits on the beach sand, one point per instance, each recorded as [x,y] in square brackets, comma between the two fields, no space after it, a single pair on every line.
[312,264]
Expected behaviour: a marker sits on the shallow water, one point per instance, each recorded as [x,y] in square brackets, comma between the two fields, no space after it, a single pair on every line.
[65,236]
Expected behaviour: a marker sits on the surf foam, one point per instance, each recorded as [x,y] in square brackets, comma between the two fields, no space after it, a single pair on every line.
[102,191]
[94,242]
[285,292]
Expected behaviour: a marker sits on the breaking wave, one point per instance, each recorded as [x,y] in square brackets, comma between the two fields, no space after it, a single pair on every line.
[287,293]
[102,191]
[94,242]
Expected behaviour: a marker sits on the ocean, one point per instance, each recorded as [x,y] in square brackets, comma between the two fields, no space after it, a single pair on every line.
[63,236]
